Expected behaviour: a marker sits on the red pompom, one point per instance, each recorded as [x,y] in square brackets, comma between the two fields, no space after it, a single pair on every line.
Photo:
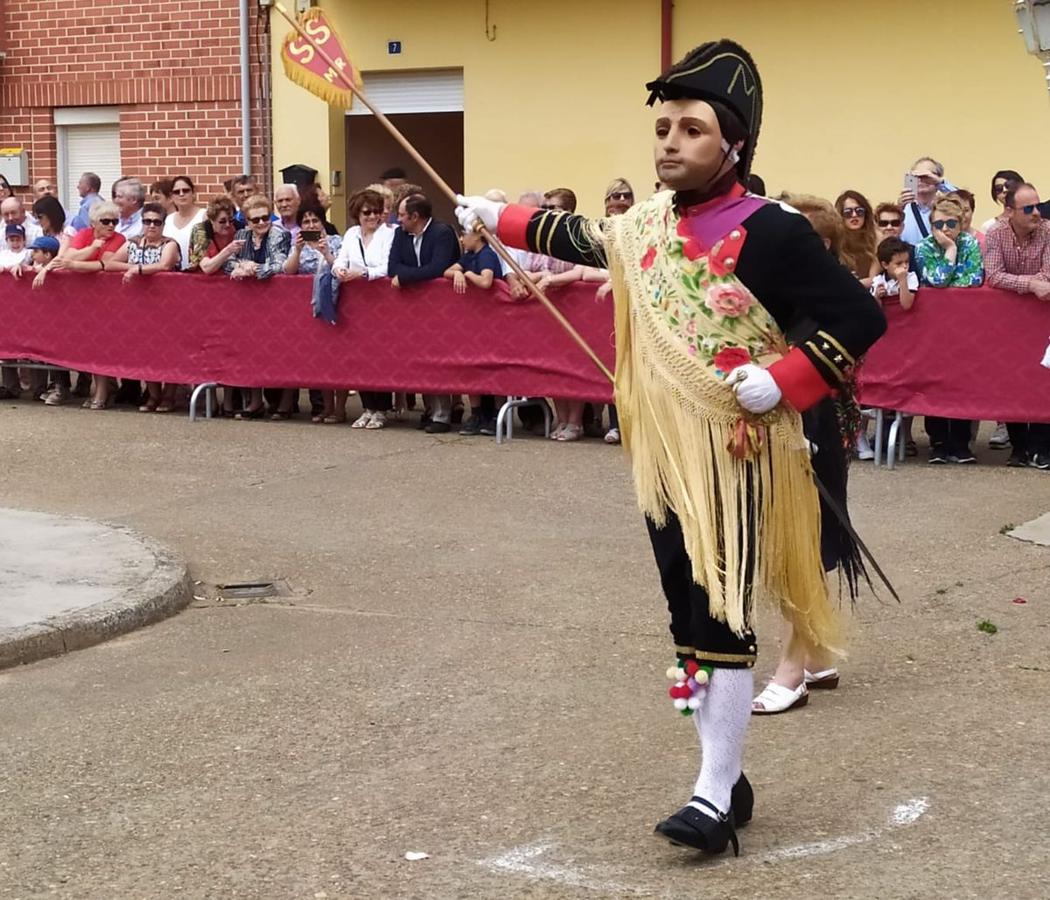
[681,691]
[691,666]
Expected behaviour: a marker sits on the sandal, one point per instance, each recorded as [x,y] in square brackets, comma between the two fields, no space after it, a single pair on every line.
[334,420]
[362,420]
[555,432]
[148,406]
[98,404]
[377,421]
[775,698]
[826,680]
[570,433]
[281,415]
[318,419]
[165,408]
[246,414]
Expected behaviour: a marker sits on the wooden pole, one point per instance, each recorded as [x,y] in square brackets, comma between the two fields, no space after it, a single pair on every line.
[493,241]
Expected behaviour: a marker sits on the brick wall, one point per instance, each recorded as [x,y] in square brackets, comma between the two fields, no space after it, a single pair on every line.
[171,66]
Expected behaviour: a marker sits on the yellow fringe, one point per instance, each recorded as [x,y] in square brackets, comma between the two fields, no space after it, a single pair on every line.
[749,524]
[316,84]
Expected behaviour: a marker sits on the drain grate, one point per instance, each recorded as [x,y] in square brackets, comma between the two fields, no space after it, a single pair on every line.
[248,590]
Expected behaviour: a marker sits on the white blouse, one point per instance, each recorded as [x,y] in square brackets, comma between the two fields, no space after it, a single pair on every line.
[181,236]
[373,258]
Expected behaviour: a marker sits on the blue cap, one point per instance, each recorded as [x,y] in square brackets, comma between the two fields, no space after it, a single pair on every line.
[46,243]
[16,229]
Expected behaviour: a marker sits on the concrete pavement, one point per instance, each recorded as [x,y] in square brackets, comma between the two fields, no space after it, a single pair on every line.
[69,583]
[468,662]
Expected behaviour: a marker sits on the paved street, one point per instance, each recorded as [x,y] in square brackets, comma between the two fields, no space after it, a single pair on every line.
[468,662]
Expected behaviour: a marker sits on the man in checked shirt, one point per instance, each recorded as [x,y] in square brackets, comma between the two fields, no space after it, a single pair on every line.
[1017,258]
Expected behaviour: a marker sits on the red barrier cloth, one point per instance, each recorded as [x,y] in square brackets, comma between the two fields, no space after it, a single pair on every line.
[970,353]
[194,328]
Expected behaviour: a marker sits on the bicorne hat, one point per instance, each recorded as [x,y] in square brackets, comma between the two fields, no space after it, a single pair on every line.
[721,71]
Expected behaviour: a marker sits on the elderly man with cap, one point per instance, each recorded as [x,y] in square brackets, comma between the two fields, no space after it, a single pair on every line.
[731,321]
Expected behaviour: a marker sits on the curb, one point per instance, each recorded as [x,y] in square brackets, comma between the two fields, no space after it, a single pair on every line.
[166,590]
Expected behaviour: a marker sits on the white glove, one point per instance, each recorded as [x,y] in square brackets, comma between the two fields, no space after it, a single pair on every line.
[477,209]
[756,390]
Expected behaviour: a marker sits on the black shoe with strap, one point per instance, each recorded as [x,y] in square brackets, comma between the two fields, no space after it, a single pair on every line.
[691,828]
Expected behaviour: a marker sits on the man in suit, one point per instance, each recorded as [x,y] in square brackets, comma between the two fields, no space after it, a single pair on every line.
[423,249]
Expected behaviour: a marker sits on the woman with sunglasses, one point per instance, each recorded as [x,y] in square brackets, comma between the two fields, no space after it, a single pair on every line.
[91,249]
[213,240]
[262,255]
[949,257]
[179,225]
[1002,181]
[857,252]
[143,255]
[5,189]
[364,254]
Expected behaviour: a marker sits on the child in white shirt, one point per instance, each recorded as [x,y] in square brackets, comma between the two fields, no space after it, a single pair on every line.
[15,254]
[895,279]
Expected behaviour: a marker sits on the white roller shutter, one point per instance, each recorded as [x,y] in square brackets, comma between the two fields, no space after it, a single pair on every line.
[418,91]
[86,148]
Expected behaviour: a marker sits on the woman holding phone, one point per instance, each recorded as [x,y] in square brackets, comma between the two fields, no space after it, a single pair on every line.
[313,253]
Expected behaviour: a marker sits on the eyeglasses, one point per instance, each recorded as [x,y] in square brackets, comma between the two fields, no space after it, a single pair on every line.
[180,191]
[258,220]
[1029,208]
[941,224]
[223,221]
[371,212]
[156,223]
[890,223]
[108,221]
[854,212]
[620,195]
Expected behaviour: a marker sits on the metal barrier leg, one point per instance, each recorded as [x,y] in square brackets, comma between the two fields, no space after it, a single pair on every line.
[505,411]
[901,443]
[878,437]
[196,393]
[891,443]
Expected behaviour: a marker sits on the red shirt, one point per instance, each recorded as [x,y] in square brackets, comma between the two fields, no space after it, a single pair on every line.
[85,236]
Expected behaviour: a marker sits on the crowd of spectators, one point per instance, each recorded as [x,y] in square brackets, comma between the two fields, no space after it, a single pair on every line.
[923,240]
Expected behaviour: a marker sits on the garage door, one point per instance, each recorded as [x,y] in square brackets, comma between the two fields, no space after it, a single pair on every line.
[86,147]
[417,91]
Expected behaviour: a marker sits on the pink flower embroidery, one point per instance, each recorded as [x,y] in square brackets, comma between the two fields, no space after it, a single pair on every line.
[690,327]
[728,300]
[730,358]
[647,260]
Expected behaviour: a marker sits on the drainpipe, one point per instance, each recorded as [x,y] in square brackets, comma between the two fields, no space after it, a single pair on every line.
[666,8]
[246,93]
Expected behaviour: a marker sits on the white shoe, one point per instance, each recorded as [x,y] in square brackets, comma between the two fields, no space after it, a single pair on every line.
[775,698]
[612,436]
[377,420]
[863,448]
[362,420]
[1000,438]
[826,679]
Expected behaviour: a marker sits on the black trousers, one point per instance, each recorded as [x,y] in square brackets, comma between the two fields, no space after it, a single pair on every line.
[949,434]
[376,401]
[1029,437]
[694,629]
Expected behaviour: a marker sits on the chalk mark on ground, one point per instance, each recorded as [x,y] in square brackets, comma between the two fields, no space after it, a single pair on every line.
[528,860]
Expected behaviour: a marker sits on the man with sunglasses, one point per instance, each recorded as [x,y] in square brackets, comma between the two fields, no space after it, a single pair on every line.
[1017,258]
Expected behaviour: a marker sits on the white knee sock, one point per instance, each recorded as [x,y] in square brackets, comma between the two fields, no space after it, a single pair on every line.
[722,721]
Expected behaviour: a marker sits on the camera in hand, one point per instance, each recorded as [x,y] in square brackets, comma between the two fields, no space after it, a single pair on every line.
[311,236]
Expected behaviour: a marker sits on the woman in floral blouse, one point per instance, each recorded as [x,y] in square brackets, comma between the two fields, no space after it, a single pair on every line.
[949,257]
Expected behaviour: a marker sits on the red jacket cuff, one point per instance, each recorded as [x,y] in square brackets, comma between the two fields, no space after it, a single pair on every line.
[512,225]
[799,381]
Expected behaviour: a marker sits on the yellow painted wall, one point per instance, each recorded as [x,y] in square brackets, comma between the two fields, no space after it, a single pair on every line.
[854,89]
